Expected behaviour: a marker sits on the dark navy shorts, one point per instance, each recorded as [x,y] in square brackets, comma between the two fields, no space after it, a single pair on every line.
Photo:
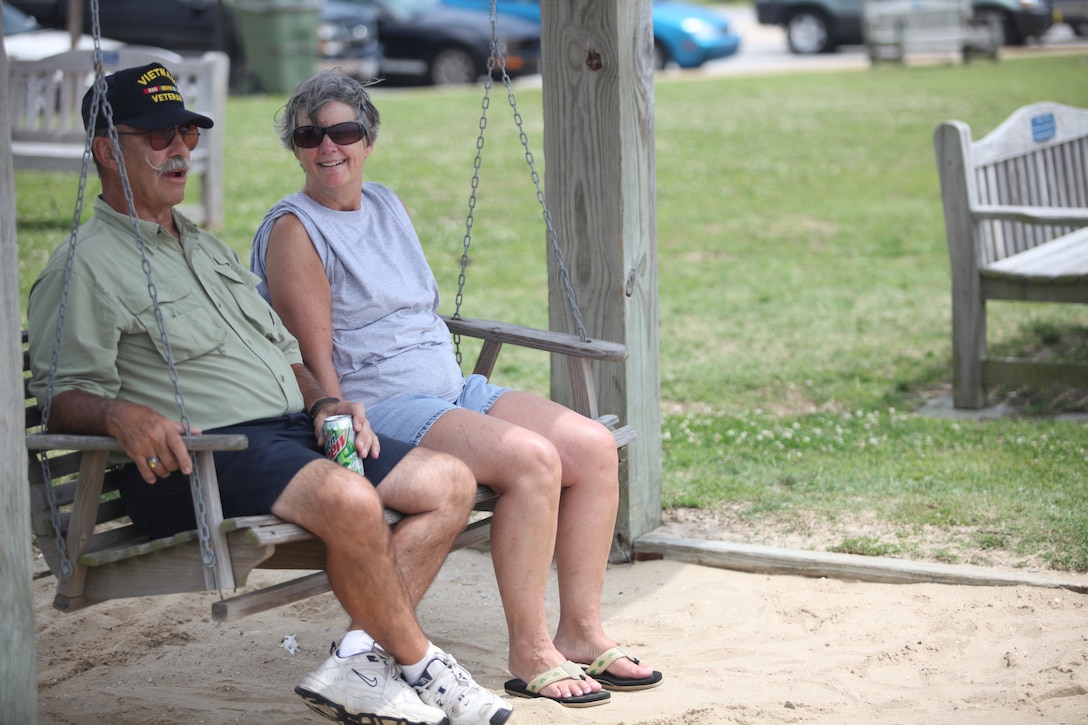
[250,480]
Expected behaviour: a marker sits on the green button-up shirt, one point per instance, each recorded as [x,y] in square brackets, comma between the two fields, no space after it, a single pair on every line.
[232,353]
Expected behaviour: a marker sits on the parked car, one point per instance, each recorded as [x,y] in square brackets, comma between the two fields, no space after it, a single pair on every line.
[820,26]
[26,39]
[684,34]
[443,45]
[347,34]
[348,39]
[1074,13]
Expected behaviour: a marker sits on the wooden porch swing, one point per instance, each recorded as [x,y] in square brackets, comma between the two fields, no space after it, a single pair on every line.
[95,552]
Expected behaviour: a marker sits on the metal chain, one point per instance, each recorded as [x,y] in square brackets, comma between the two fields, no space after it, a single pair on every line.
[98,99]
[66,567]
[498,58]
[553,239]
[470,218]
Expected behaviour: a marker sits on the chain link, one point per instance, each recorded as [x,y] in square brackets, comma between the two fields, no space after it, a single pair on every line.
[97,103]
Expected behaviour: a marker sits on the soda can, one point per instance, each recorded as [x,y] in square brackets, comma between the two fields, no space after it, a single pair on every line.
[340,442]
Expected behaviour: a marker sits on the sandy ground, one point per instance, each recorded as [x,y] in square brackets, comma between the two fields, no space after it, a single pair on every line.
[734,647]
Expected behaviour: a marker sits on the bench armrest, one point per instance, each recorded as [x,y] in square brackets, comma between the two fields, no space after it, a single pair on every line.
[549,340]
[1058,215]
[66,442]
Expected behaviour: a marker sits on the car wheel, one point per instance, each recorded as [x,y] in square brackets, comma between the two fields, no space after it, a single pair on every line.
[452,66]
[1079,26]
[808,32]
[661,56]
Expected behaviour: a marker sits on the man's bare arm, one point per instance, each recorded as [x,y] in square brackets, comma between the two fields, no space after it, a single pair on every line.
[144,433]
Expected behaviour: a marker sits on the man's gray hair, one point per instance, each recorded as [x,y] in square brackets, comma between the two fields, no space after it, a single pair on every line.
[314,93]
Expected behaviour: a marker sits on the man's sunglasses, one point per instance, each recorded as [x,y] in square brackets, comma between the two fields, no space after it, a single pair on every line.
[160,138]
[342,134]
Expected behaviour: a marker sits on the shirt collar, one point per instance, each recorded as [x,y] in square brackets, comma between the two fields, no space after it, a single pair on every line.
[152,232]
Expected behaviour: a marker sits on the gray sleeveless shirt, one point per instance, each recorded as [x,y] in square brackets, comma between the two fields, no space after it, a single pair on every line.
[387,336]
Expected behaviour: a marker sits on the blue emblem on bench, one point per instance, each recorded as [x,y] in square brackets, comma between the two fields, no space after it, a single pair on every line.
[1043,127]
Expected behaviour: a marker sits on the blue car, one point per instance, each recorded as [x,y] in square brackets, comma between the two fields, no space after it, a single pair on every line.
[684,34]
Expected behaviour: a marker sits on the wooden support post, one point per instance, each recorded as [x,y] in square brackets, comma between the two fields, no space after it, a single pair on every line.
[220,575]
[597,58]
[18,673]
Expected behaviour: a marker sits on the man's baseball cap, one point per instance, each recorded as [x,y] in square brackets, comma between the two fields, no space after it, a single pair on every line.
[146,98]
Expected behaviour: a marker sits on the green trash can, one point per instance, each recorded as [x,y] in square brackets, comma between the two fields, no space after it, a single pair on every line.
[279,38]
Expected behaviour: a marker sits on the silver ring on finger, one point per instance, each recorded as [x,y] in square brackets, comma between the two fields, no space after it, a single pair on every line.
[153,462]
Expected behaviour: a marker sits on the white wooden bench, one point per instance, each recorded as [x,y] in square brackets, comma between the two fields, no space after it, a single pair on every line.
[894,29]
[47,125]
[1016,217]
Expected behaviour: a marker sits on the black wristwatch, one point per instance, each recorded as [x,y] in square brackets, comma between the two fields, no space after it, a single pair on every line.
[317,404]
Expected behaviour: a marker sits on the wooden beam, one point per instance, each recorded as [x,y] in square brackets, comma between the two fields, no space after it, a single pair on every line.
[18,675]
[851,567]
[75,21]
[599,146]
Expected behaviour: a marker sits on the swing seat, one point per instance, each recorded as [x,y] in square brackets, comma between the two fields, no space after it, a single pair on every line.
[112,559]
[579,353]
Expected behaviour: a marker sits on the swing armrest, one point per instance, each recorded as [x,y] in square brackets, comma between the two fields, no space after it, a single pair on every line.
[66,442]
[87,499]
[549,340]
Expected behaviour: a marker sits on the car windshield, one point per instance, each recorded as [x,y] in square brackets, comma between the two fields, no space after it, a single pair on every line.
[16,21]
[406,9]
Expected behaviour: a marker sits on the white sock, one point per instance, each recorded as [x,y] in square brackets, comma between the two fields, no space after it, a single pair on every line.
[412,673]
[354,642]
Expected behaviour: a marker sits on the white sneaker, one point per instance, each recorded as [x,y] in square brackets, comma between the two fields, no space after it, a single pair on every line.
[365,689]
[448,685]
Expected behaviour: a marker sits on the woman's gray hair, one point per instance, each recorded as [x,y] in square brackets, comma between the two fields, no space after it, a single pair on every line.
[316,92]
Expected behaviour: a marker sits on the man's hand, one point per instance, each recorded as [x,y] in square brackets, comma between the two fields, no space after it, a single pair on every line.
[366,441]
[147,437]
[152,441]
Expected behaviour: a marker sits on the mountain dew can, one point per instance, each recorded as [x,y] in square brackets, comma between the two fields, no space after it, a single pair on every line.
[340,442]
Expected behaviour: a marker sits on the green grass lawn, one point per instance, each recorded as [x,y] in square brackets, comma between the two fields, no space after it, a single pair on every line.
[803,294]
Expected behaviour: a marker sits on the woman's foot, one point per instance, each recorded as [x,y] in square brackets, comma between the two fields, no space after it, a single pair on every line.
[624,667]
[526,669]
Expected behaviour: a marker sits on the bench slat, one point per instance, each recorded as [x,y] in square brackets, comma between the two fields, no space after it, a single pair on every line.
[1060,261]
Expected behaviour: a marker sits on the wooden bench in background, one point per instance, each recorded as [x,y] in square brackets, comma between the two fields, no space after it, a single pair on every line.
[1016,217]
[896,29]
[47,125]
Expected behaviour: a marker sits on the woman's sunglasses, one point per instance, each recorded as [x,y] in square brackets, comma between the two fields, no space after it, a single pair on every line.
[160,138]
[342,134]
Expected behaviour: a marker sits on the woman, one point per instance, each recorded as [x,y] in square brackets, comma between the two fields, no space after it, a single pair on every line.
[341,263]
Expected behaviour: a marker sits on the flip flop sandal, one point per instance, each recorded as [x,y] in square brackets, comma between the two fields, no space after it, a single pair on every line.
[599,671]
[566,671]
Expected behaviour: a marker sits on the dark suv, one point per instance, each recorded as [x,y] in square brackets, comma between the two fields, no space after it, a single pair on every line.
[820,26]
[347,35]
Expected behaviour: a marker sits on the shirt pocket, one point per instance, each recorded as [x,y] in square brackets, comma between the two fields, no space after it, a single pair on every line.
[191,331]
[241,285]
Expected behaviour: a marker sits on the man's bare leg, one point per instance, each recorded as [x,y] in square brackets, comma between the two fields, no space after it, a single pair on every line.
[344,511]
[435,493]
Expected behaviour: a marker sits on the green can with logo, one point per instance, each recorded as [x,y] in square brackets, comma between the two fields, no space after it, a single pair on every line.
[340,442]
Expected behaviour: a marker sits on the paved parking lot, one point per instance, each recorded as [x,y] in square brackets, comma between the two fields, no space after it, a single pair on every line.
[763,49]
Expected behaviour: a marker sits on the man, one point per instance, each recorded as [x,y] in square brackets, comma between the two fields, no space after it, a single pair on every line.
[239,371]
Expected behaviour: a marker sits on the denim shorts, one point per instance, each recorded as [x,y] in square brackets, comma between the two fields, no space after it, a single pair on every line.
[408,417]
[250,480]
